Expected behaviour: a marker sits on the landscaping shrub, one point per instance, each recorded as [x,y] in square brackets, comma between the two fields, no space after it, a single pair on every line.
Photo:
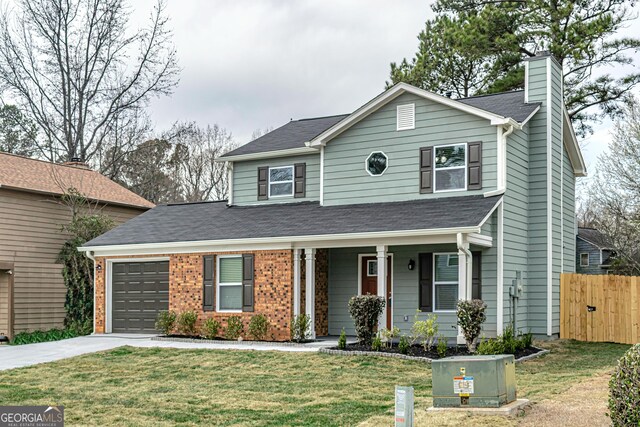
[258,327]
[376,344]
[507,343]
[342,340]
[490,346]
[235,328]
[624,390]
[425,331]
[43,336]
[442,346]
[300,328]
[471,315]
[387,335]
[365,310]
[404,344]
[210,329]
[166,322]
[187,323]
[510,342]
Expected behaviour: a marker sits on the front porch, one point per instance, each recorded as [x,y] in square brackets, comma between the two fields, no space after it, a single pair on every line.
[429,276]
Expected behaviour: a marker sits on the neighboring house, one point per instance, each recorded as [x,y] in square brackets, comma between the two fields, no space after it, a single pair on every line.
[416,197]
[32,291]
[593,252]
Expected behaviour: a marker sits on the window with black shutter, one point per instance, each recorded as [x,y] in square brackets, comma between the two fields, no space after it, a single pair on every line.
[474,166]
[425,273]
[263,183]
[247,282]
[207,283]
[299,180]
[426,170]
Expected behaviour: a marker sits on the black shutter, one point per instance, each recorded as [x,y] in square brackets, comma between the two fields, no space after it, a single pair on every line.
[299,170]
[247,282]
[263,183]
[207,283]
[476,275]
[426,282]
[426,170]
[474,166]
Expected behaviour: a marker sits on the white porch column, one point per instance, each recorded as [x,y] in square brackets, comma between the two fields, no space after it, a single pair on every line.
[310,292]
[296,282]
[382,282]
[464,275]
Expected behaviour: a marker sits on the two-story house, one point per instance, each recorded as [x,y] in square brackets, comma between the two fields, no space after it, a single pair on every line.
[416,197]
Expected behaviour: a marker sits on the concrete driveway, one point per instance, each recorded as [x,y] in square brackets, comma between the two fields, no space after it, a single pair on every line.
[31,354]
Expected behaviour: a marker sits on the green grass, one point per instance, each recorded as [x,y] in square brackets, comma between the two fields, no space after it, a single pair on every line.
[135,386]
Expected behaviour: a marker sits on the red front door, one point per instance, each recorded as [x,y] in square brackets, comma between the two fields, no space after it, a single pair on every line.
[370,281]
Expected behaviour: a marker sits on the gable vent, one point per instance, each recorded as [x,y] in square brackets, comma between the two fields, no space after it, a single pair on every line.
[406,117]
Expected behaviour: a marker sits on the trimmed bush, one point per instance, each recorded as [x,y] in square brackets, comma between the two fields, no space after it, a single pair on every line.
[43,336]
[425,331]
[300,328]
[235,328]
[624,390]
[404,344]
[342,341]
[187,323]
[210,329]
[365,310]
[258,327]
[166,322]
[507,343]
[471,315]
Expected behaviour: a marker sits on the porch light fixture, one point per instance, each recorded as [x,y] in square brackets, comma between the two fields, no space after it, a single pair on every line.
[411,265]
[99,267]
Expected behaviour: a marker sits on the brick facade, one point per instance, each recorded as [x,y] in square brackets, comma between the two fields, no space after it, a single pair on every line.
[273,289]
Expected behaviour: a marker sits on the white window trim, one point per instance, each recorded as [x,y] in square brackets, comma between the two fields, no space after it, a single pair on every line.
[281,182]
[433,291]
[587,264]
[218,284]
[366,162]
[465,167]
[413,124]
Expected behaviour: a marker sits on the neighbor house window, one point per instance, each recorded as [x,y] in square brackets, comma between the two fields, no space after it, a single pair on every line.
[451,167]
[445,281]
[281,181]
[584,260]
[229,290]
[376,163]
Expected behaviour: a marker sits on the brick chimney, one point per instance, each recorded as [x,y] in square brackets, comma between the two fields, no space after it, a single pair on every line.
[77,162]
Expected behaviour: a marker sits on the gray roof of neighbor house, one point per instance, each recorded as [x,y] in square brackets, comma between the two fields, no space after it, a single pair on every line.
[218,221]
[292,135]
[295,133]
[595,237]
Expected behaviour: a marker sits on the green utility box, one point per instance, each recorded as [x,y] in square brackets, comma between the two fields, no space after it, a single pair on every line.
[474,381]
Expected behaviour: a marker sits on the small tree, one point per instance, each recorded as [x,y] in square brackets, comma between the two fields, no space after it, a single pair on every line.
[77,269]
[471,316]
[624,390]
[365,310]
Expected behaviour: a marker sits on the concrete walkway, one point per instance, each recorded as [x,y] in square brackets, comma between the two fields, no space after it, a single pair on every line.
[32,354]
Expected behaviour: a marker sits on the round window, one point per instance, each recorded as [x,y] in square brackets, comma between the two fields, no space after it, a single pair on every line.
[376,163]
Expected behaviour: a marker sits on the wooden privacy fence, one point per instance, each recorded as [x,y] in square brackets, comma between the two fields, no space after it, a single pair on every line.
[600,308]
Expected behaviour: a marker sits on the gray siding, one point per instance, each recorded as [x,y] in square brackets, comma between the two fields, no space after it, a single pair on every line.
[516,226]
[343,284]
[245,179]
[569,216]
[346,180]
[594,258]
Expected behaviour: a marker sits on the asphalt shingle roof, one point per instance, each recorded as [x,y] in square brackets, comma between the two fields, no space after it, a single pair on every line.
[292,135]
[595,237]
[217,221]
[506,104]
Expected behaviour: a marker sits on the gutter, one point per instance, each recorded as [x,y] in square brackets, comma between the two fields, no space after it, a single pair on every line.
[89,254]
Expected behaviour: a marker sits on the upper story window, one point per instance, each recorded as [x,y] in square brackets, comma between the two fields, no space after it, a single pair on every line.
[406,117]
[281,181]
[450,167]
[377,163]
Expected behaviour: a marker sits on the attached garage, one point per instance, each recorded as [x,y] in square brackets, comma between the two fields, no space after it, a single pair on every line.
[139,291]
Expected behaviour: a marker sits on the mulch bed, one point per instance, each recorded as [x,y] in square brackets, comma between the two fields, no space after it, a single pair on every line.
[417,350]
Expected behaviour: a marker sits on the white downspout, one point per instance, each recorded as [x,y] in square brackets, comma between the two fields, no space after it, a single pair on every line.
[502,161]
[464,276]
[230,179]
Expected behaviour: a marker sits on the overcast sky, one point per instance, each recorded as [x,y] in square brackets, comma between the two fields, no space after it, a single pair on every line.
[254,64]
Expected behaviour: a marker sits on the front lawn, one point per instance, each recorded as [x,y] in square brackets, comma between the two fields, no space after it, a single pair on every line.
[154,386]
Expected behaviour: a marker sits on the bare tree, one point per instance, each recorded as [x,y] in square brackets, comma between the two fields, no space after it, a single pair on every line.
[614,195]
[260,132]
[77,69]
[196,150]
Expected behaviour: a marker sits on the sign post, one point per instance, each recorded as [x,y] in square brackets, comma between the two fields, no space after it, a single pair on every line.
[404,407]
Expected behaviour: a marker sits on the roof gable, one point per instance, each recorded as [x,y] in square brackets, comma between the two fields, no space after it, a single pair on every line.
[573,148]
[38,176]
